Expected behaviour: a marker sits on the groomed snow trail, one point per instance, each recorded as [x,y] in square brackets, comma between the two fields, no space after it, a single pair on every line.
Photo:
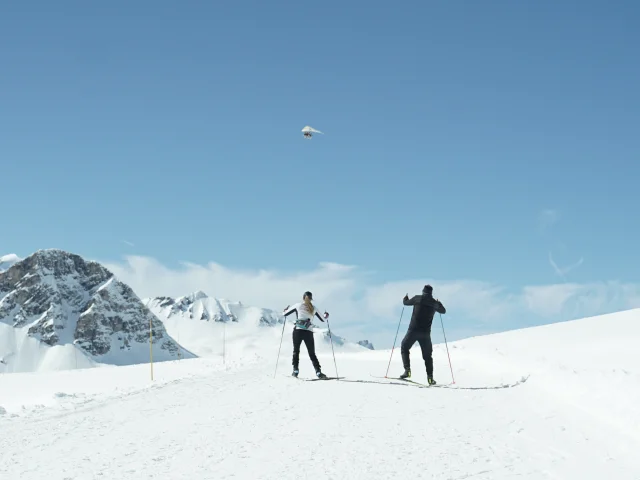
[202,420]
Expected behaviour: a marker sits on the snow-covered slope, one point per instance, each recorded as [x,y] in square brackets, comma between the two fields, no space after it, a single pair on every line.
[211,326]
[577,415]
[59,311]
[6,261]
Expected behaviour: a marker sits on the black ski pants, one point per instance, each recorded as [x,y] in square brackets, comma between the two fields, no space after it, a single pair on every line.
[424,339]
[305,336]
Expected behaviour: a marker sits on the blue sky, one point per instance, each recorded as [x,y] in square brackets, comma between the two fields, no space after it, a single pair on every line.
[463,141]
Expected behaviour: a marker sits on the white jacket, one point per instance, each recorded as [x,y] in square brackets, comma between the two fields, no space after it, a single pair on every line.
[304,315]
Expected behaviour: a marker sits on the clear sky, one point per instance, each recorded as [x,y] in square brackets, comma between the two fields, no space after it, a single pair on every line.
[493,143]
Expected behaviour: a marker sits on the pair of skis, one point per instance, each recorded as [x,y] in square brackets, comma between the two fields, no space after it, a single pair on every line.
[453,386]
[317,379]
[409,382]
[405,382]
[418,384]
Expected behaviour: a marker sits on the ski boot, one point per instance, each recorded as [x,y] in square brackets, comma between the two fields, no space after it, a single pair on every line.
[321,375]
[295,373]
[406,374]
[431,381]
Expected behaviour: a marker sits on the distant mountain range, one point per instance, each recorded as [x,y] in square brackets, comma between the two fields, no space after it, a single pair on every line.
[59,311]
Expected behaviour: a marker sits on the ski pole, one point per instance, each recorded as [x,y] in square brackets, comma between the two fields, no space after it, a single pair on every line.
[394,341]
[284,321]
[334,353]
[445,343]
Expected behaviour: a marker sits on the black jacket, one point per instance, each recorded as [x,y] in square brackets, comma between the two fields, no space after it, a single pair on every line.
[424,308]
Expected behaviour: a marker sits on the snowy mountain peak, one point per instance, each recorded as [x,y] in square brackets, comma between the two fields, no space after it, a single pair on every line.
[366,344]
[197,305]
[59,299]
[60,264]
[198,295]
[198,320]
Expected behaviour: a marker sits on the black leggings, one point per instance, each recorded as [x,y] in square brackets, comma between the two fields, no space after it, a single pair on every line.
[305,336]
[424,339]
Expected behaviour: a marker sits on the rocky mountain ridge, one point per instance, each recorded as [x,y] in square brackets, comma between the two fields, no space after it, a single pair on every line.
[200,306]
[58,299]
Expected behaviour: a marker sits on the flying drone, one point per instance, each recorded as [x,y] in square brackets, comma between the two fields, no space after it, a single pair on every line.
[308,132]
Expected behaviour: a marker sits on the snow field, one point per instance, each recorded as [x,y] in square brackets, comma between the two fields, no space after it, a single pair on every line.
[575,416]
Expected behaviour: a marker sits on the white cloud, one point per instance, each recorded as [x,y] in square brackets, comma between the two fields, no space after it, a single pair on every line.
[548,300]
[361,308]
[576,300]
[270,289]
[467,297]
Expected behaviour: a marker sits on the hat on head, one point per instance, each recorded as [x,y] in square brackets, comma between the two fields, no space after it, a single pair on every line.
[427,289]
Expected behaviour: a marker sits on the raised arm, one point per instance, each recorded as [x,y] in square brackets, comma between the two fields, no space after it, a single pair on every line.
[410,301]
[291,309]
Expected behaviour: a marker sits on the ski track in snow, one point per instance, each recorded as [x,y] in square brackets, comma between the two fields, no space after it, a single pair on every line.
[576,416]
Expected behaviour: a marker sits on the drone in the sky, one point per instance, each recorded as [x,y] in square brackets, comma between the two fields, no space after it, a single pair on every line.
[308,132]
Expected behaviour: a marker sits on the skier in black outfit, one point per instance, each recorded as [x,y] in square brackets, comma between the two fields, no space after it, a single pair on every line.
[424,307]
[305,312]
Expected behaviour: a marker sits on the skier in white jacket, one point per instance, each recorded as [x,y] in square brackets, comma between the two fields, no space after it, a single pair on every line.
[305,312]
